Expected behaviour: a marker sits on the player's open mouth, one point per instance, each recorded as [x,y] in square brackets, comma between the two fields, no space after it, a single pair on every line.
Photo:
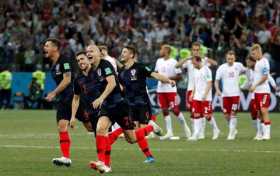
[90,57]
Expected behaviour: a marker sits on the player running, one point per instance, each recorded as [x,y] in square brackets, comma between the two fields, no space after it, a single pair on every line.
[85,93]
[202,97]
[167,93]
[228,73]
[261,89]
[62,73]
[112,108]
[133,79]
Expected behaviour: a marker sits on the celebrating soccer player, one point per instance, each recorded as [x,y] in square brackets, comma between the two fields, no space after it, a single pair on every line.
[62,73]
[228,73]
[167,93]
[112,108]
[133,78]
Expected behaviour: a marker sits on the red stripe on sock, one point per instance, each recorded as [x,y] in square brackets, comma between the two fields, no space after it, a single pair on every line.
[267,122]
[65,144]
[108,155]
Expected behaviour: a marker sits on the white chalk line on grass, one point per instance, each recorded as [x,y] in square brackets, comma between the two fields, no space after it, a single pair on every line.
[154,149]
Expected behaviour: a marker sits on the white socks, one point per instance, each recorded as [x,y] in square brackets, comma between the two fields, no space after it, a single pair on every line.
[168,124]
[213,123]
[183,122]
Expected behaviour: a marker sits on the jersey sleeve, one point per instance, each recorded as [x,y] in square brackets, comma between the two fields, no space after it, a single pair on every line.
[219,74]
[265,69]
[107,69]
[77,88]
[157,65]
[208,75]
[145,70]
[66,65]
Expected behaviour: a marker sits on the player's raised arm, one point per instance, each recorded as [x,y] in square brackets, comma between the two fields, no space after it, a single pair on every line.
[181,62]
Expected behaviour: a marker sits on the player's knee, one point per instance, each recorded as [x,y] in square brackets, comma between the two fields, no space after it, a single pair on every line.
[101,130]
[165,112]
[176,110]
[62,126]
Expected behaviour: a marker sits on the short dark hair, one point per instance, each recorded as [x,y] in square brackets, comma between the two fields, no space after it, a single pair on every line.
[80,53]
[131,49]
[231,52]
[249,57]
[102,47]
[196,44]
[55,41]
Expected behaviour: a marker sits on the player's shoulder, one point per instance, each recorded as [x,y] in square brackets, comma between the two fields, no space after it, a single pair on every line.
[104,63]
[206,69]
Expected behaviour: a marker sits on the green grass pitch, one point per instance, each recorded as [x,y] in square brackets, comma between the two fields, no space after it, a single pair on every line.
[28,142]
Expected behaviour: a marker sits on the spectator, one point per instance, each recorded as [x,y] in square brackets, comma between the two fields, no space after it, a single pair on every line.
[5,88]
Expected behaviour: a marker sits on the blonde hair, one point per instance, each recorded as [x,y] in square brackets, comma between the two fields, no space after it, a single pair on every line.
[256,47]
[168,47]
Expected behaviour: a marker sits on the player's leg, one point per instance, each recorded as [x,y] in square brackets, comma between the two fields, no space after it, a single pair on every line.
[163,102]
[143,114]
[264,105]
[233,109]
[197,122]
[208,115]
[255,119]
[63,116]
[173,100]
[102,142]
[227,106]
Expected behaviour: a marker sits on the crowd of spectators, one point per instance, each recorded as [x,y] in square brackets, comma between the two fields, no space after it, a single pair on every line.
[218,24]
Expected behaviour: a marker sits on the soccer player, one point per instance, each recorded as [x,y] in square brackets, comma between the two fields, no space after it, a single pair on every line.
[228,73]
[188,64]
[112,108]
[202,97]
[167,93]
[62,73]
[261,88]
[85,93]
[250,63]
[133,79]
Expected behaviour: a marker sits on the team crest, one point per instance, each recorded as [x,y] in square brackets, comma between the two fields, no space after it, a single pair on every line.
[133,75]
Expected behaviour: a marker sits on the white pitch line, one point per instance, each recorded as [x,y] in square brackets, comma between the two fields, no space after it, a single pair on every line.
[154,149]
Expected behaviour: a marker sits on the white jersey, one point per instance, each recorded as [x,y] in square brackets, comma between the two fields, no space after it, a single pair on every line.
[201,78]
[261,69]
[167,68]
[112,61]
[189,66]
[229,75]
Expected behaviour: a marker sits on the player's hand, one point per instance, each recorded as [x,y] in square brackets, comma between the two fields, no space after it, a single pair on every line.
[97,103]
[73,122]
[252,88]
[172,82]
[50,97]
[219,93]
